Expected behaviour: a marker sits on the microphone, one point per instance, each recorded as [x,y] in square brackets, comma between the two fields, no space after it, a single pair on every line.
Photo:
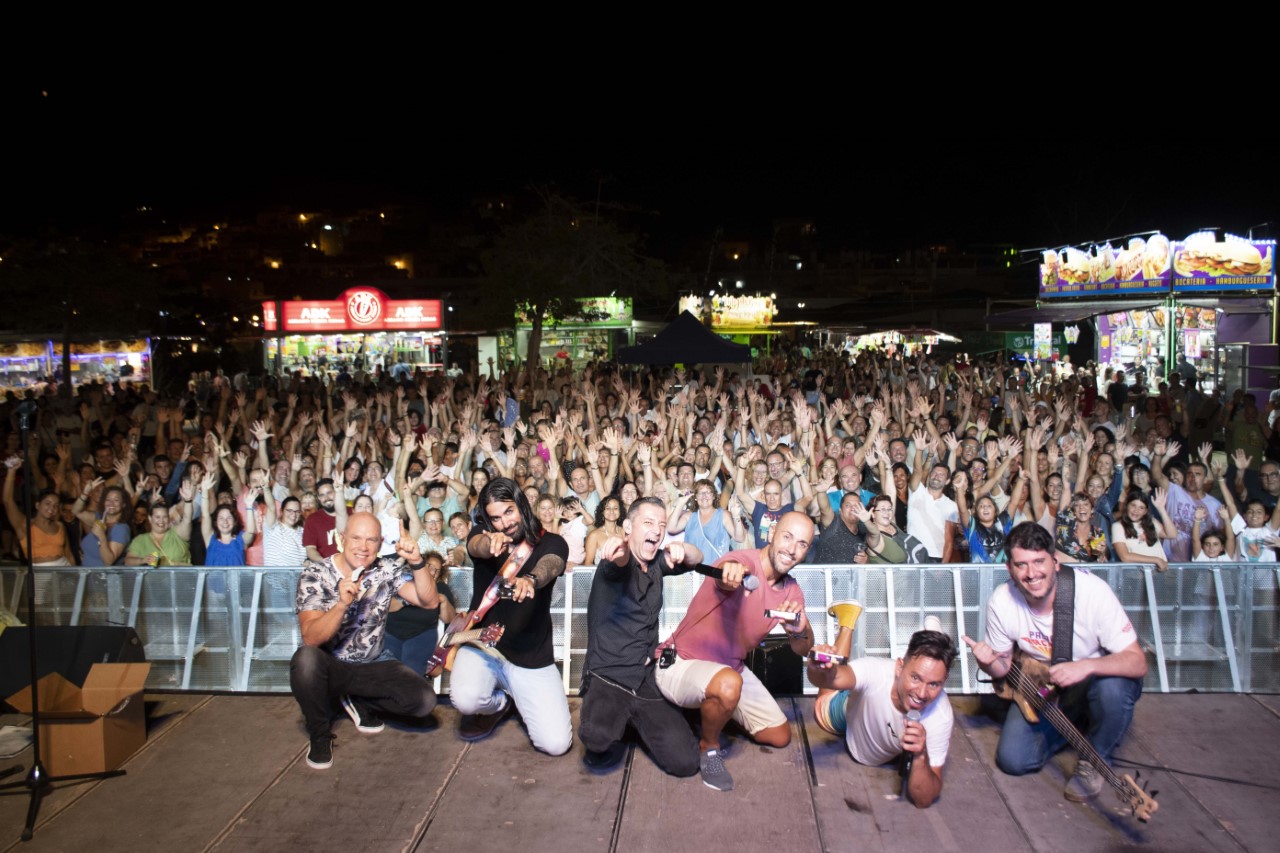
[913,716]
[749,582]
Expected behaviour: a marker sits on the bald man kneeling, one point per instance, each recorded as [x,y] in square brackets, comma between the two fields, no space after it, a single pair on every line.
[724,622]
[343,602]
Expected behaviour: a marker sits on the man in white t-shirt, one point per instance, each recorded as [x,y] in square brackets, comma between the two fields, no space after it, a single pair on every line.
[867,702]
[929,510]
[1097,689]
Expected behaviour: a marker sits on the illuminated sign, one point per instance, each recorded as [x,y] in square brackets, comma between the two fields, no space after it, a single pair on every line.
[360,309]
[1140,268]
[1202,263]
[693,304]
[742,312]
[1149,266]
[364,306]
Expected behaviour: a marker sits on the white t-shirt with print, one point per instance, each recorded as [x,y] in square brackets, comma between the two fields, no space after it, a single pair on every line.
[873,730]
[1101,627]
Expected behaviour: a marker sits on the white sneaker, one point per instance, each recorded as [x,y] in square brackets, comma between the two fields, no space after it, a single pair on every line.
[933,623]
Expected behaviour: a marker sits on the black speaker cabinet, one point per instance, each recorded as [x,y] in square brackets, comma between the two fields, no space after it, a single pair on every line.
[70,652]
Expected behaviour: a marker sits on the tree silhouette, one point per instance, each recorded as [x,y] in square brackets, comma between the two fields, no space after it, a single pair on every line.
[559,253]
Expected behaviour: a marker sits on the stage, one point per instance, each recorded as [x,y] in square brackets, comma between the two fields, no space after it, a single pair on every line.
[227,772]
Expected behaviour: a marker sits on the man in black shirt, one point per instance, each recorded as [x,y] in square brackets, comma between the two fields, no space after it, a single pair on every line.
[521,667]
[618,683]
[843,539]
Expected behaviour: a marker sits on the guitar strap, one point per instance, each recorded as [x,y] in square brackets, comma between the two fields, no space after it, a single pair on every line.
[1064,615]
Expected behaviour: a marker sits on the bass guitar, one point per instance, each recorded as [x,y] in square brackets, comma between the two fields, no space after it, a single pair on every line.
[462,629]
[1027,684]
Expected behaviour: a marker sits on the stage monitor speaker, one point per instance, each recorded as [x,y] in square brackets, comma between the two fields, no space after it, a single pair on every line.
[70,652]
[778,668]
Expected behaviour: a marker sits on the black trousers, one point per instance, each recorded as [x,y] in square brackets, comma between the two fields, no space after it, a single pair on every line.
[318,678]
[607,709]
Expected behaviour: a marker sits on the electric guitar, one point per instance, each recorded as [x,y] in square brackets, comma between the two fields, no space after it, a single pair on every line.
[1027,684]
[460,630]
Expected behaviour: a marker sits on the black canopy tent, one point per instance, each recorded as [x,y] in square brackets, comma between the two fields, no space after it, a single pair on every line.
[686,341]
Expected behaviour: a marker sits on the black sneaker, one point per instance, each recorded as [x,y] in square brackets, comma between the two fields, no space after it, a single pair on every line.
[714,773]
[479,726]
[360,714]
[606,759]
[320,756]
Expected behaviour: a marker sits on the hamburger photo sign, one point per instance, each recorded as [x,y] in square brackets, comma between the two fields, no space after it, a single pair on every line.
[1202,262]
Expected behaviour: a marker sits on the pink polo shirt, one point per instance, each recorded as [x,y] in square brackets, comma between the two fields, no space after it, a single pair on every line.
[724,627]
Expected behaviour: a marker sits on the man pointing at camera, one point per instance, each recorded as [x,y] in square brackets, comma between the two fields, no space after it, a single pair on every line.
[619,685]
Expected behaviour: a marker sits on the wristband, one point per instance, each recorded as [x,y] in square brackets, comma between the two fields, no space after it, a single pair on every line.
[418,567]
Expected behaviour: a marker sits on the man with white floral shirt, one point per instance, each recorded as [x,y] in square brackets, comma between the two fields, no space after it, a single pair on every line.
[343,603]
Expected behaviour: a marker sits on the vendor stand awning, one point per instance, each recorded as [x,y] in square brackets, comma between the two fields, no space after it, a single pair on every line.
[1072,312]
[686,341]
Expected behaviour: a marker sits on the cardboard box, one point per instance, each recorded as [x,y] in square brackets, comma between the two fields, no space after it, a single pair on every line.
[91,728]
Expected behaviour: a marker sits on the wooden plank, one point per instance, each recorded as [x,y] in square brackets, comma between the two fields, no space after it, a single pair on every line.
[508,796]
[859,802]
[376,796]
[164,713]
[1269,701]
[1225,735]
[770,807]
[1051,823]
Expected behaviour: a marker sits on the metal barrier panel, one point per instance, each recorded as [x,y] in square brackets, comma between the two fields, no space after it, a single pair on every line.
[1205,627]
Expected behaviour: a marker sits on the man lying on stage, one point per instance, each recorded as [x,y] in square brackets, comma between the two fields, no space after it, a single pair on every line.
[871,701]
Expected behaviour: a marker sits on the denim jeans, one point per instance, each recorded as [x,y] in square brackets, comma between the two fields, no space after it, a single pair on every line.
[477,683]
[414,652]
[1102,709]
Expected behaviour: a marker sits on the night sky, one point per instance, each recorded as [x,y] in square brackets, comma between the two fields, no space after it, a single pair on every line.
[91,150]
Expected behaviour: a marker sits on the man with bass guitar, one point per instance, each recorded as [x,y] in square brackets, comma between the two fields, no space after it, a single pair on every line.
[519,670]
[1097,678]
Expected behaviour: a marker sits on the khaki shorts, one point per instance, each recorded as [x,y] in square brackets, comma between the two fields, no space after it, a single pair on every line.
[684,683]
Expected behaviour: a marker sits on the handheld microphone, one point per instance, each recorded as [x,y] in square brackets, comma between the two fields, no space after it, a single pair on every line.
[749,582]
[913,716]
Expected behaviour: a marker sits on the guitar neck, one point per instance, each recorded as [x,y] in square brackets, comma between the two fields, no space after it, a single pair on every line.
[462,637]
[1054,714]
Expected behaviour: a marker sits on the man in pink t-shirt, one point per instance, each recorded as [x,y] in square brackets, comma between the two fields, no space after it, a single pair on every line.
[724,622]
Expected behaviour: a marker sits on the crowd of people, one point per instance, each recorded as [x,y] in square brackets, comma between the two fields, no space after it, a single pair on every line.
[879,458]
[895,459]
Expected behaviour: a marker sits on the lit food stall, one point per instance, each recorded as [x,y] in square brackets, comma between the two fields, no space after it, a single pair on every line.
[31,365]
[605,324]
[360,330]
[910,342]
[1224,316]
[1154,299]
[738,318]
[108,361]
[24,365]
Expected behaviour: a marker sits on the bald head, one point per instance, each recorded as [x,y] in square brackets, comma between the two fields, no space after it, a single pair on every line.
[791,538]
[362,541]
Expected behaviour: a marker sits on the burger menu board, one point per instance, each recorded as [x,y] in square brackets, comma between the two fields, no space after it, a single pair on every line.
[1202,263]
[1140,267]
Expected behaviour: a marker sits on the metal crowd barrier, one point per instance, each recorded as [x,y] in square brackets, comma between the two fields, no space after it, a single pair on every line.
[1204,627]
